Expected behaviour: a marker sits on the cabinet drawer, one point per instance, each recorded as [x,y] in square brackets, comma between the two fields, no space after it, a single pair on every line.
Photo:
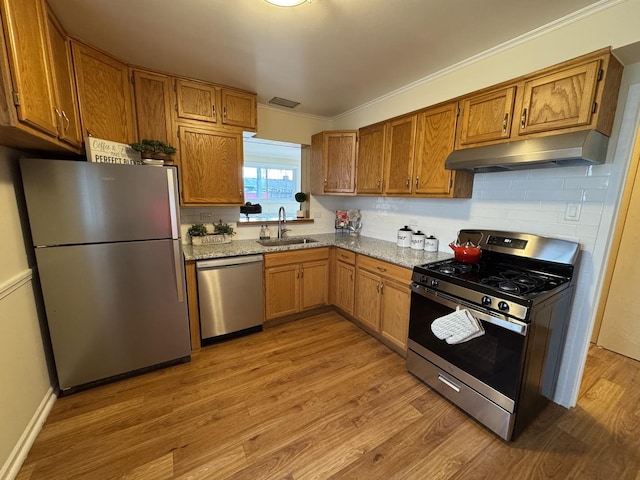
[345,256]
[296,256]
[385,269]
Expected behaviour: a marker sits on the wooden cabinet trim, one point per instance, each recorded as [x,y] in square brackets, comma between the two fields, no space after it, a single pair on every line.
[296,256]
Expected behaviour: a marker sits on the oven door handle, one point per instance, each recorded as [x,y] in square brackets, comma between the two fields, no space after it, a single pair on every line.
[509,324]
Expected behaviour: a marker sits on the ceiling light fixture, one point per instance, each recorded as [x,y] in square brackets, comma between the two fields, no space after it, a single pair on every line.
[287,3]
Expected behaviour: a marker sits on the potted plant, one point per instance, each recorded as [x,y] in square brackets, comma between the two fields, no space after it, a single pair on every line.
[223,229]
[154,149]
[300,197]
[197,231]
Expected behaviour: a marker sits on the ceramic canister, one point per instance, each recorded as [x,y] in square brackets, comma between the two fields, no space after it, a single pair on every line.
[404,237]
[417,241]
[431,244]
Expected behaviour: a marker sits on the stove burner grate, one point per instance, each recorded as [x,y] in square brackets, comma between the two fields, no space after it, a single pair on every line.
[517,282]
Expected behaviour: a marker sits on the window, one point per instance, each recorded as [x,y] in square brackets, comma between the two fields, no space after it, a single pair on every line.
[272,176]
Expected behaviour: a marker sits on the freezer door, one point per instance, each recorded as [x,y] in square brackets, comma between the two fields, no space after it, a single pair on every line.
[113,308]
[83,202]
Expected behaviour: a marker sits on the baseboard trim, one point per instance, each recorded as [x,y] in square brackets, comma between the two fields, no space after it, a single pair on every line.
[11,285]
[10,469]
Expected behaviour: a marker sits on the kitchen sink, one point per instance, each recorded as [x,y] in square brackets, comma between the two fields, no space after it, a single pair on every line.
[276,242]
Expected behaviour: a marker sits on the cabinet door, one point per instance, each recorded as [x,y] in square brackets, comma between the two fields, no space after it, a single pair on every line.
[399,151]
[239,109]
[210,166]
[486,117]
[394,323]
[25,32]
[339,155]
[314,283]
[559,100]
[281,291]
[345,283]
[370,164]
[368,298]
[152,99]
[435,134]
[104,95]
[196,101]
[64,84]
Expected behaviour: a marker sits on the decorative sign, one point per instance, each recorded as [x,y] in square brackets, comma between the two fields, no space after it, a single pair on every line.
[106,151]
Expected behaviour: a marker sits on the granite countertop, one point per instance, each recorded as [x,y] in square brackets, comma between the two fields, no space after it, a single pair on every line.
[380,249]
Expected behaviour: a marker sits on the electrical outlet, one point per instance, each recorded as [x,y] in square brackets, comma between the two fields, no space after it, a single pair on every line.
[572,213]
[206,216]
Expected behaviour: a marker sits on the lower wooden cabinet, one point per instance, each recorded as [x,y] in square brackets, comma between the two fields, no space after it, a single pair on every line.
[344,280]
[295,281]
[382,299]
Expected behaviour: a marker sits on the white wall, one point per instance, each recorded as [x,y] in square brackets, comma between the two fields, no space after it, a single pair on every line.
[26,394]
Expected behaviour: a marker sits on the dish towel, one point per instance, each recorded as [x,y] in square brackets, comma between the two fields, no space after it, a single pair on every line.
[457,327]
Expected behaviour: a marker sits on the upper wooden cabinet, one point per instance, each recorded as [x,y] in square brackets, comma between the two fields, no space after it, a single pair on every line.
[239,109]
[196,101]
[33,113]
[370,165]
[24,24]
[398,155]
[210,166]
[486,117]
[205,102]
[333,162]
[66,100]
[153,99]
[560,100]
[435,134]
[575,95]
[104,94]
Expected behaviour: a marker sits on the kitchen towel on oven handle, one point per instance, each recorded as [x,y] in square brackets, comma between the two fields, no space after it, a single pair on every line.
[457,327]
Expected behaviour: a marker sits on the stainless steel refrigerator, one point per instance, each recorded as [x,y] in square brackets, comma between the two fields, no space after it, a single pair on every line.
[109,258]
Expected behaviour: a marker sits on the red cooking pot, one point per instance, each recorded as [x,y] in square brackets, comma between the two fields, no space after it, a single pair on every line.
[467,253]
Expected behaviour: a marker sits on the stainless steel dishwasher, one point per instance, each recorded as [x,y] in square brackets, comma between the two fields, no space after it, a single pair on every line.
[230,297]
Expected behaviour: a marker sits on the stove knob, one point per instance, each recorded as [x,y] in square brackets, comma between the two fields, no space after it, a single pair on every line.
[486,301]
[434,283]
[504,306]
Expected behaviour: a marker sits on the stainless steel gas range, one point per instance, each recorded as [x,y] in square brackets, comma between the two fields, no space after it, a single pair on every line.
[489,335]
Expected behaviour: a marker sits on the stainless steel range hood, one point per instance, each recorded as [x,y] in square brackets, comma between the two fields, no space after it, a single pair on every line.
[587,147]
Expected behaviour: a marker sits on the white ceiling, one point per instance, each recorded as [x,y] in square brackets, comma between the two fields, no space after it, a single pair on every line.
[329,55]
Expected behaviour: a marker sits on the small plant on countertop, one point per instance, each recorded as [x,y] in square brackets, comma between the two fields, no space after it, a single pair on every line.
[197,230]
[223,228]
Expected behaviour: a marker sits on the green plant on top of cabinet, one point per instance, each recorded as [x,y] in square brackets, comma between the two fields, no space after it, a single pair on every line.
[104,94]
[333,162]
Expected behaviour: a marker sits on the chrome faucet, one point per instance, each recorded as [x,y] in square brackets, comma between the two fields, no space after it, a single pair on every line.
[282,219]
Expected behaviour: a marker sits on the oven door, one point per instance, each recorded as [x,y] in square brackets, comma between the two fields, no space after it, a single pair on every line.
[490,364]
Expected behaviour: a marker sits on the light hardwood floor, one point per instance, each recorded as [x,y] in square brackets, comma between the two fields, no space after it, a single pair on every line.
[319,398]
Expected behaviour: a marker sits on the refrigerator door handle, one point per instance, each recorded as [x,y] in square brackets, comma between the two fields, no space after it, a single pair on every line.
[177,262]
[173,203]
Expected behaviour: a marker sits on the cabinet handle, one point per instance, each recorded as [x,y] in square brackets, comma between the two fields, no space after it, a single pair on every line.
[379,182]
[504,123]
[408,182]
[381,289]
[213,109]
[301,272]
[378,287]
[381,269]
[55,109]
[351,276]
[64,115]
[325,182]
[417,182]
[224,112]
[523,119]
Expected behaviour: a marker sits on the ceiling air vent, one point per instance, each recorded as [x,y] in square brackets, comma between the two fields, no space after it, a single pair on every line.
[283,102]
